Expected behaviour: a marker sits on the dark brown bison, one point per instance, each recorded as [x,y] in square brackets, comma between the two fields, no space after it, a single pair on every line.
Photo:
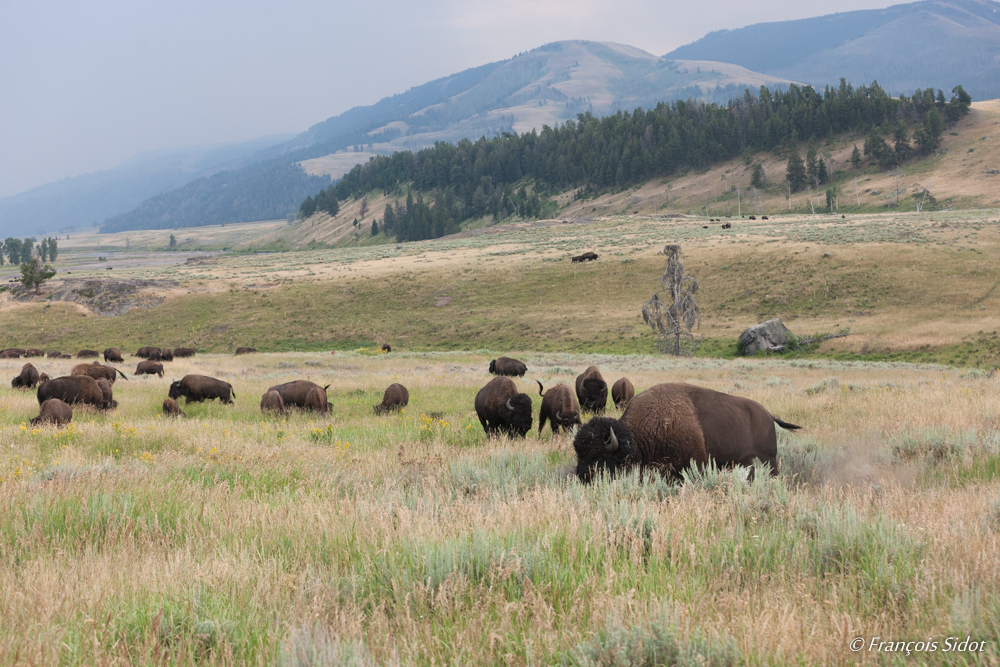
[171,409]
[54,354]
[508,366]
[109,402]
[72,389]
[166,355]
[184,351]
[396,396]
[386,347]
[12,353]
[752,217]
[763,217]
[245,350]
[53,411]
[622,392]
[97,370]
[44,377]
[149,367]
[586,257]
[65,356]
[316,400]
[501,409]
[27,378]
[670,425]
[34,352]
[85,354]
[113,354]
[272,402]
[297,394]
[559,406]
[592,390]
[197,388]
[143,352]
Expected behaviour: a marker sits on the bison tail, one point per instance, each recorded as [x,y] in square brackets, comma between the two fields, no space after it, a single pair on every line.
[540,388]
[785,425]
[122,374]
[231,390]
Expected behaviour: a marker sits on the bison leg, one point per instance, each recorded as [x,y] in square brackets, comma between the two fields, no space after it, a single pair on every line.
[541,423]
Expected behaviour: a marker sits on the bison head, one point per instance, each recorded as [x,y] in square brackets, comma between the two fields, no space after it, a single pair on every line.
[516,412]
[595,395]
[176,390]
[602,444]
[493,367]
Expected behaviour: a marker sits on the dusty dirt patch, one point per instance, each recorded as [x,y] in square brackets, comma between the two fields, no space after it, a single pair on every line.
[107,298]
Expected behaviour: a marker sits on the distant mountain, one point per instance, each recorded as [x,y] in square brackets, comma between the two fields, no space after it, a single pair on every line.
[939,43]
[548,85]
[88,199]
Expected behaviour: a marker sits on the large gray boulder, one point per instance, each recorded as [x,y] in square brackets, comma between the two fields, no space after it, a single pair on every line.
[770,336]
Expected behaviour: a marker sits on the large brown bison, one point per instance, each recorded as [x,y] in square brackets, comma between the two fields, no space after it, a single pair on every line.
[72,389]
[149,367]
[34,352]
[166,354]
[54,354]
[184,351]
[508,366]
[171,409]
[97,370]
[143,352]
[396,396]
[85,354]
[297,394]
[272,402]
[26,379]
[559,406]
[113,354]
[501,409]
[197,388]
[592,390]
[670,425]
[109,399]
[149,352]
[245,350]
[12,353]
[586,257]
[622,392]
[53,411]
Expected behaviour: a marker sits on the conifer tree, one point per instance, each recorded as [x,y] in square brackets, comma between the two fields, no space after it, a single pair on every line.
[796,171]
[855,157]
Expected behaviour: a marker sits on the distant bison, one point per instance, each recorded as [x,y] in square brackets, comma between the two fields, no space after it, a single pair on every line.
[54,354]
[622,392]
[34,352]
[148,352]
[559,407]
[586,257]
[272,402]
[72,389]
[671,425]
[171,409]
[84,354]
[508,366]
[113,354]
[53,411]
[245,350]
[396,396]
[501,409]
[592,390]
[300,394]
[12,353]
[148,367]
[198,388]
[752,217]
[763,217]
[386,347]
[184,351]
[26,379]
[96,370]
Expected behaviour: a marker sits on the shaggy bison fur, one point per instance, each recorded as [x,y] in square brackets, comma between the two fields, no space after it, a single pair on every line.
[184,351]
[53,411]
[27,378]
[245,350]
[113,354]
[671,425]
[592,390]
[622,392]
[198,388]
[559,406]
[272,402]
[508,366]
[109,402]
[395,397]
[72,389]
[96,370]
[149,367]
[297,394]
[171,409]
[501,409]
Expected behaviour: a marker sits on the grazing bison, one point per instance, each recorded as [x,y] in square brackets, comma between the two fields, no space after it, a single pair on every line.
[113,354]
[395,397]
[53,411]
[54,354]
[752,217]
[586,257]
[12,353]
[167,355]
[35,352]
[386,347]
[508,366]
[502,410]
[85,354]
[27,378]
[592,390]
[670,425]
[72,389]
[44,377]
[96,370]
[245,350]
[184,351]
[197,388]
[559,406]
[297,394]
[622,392]
[148,367]
[171,409]
[143,352]
[109,402]
[272,402]
[763,217]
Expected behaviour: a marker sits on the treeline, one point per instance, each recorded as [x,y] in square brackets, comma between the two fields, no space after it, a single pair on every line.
[620,150]
[17,251]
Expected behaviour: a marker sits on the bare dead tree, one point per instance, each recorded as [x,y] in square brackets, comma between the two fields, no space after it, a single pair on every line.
[672,313]
[364,207]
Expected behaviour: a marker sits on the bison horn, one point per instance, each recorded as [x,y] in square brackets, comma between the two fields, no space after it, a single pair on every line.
[559,415]
[613,442]
[509,404]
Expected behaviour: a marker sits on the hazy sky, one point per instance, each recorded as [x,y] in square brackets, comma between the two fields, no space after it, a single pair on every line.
[86,85]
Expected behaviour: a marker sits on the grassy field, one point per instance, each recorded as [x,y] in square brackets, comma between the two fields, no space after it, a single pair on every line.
[232,538]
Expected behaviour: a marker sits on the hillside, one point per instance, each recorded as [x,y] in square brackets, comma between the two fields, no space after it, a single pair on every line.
[903,47]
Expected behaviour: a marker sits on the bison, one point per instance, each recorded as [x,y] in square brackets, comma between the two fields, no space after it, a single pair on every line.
[26,379]
[272,402]
[72,389]
[171,409]
[166,355]
[44,377]
[148,367]
[113,354]
[395,397]
[53,411]
[592,390]
[386,347]
[96,370]
[143,352]
[667,427]
[752,217]
[197,388]
[184,351]
[85,354]
[508,366]
[501,409]
[54,354]
[622,392]
[109,402]
[559,406]
[763,217]
[297,393]
[245,350]
[586,257]
[12,353]
[34,352]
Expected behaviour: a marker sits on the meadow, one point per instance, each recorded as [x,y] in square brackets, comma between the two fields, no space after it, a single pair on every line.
[232,537]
